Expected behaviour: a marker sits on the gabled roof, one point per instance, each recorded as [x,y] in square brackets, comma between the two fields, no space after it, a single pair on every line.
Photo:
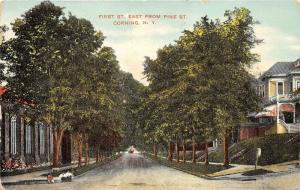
[296,70]
[279,68]
[282,69]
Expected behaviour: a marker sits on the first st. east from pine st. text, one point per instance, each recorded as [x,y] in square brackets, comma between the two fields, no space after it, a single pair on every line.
[141,16]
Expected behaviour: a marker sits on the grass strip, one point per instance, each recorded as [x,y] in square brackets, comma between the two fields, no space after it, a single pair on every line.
[197,169]
[85,168]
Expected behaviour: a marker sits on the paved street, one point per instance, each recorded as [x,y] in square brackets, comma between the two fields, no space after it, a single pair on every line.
[132,171]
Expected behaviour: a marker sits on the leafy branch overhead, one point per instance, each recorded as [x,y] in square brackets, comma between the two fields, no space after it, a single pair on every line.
[58,63]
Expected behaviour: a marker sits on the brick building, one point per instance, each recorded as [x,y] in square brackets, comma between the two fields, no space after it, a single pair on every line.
[25,138]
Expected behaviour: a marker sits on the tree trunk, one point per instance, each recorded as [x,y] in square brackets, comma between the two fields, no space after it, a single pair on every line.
[56,145]
[177,152]
[184,152]
[170,154]
[172,150]
[102,156]
[226,156]
[97,156]
[86,152]
[155,150]
[55,151]
[206,153]
[194,152]
[79,142]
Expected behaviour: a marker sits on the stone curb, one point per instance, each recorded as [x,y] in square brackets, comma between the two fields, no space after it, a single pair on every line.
[230,178]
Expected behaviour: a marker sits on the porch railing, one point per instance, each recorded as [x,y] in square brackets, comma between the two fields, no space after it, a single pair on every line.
[284,98]
[291,127]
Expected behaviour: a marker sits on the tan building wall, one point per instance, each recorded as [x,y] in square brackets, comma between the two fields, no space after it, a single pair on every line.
[272,89]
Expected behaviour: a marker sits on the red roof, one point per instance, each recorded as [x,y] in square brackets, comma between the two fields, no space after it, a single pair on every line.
[2,90]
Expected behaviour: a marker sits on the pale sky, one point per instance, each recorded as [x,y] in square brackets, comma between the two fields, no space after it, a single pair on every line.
[279,25]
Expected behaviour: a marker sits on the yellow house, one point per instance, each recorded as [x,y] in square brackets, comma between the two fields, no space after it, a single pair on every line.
[280,80]
[281,106]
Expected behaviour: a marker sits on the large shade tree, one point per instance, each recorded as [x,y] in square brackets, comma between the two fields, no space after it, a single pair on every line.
[201,83]
[40,60]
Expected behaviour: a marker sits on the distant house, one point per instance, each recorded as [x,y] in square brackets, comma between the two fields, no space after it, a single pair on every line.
[281,79]
[277,88]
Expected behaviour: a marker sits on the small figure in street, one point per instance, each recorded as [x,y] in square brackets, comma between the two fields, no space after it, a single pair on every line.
[50,178]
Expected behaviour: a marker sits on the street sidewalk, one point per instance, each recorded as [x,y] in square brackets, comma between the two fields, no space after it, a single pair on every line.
[36,176]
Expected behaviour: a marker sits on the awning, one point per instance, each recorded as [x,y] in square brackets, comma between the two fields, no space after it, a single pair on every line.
[265,114]
[271,111]
[251,114]
[286,108]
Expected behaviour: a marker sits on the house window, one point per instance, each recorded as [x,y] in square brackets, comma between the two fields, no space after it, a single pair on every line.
[280,88]
[291,87]
[28,139]
[298,85]
[13,136]
[42,139]
[259,90]
[263,91]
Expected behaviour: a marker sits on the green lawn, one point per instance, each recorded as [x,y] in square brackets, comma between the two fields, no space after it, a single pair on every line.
[84,168]
[195,169]
[275,149]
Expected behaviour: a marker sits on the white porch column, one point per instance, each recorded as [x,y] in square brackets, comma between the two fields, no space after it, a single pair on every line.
[36,143]
[22,138]
[47,143]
